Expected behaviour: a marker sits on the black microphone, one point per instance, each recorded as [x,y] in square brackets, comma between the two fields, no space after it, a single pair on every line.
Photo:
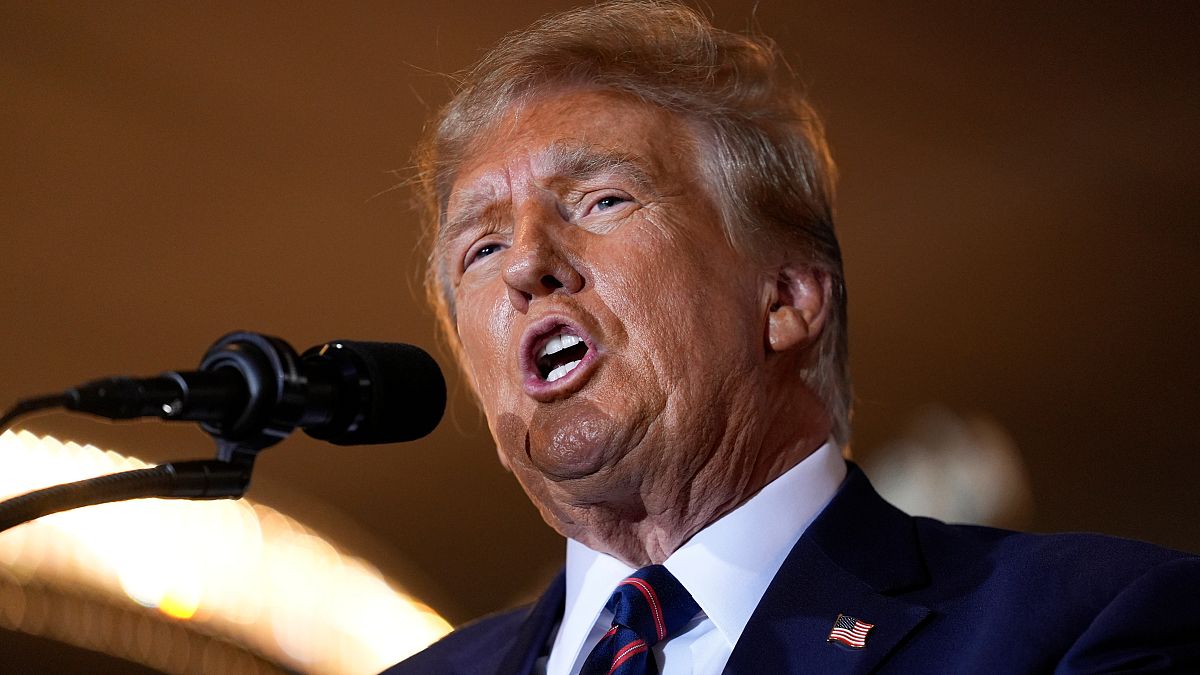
[250,392]
[254,388]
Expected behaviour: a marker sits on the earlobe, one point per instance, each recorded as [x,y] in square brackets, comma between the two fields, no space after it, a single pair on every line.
[798,307]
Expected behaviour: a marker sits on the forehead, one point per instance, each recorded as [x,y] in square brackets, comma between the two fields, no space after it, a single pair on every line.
[574,133]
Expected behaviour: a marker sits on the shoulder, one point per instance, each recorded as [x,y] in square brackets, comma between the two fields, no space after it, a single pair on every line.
[1101,603]
[464,650]
[1078,557]
[1074,573]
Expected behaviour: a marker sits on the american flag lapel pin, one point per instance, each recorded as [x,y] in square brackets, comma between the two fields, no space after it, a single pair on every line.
[849,631]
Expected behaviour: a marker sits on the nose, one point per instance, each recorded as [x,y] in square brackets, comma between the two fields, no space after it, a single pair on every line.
[540,261]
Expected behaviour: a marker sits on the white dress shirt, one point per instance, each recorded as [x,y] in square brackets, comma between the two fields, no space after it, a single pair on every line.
[726,567]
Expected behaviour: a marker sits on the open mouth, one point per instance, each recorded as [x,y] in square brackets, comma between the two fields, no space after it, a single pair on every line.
[559,354]
[557,358]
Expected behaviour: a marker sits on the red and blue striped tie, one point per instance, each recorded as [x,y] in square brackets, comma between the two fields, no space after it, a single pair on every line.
[648,607]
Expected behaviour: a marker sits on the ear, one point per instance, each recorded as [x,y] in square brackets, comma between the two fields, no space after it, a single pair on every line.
[799,301]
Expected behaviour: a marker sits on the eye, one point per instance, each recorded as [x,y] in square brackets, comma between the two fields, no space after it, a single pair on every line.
[608,202]
[479,252]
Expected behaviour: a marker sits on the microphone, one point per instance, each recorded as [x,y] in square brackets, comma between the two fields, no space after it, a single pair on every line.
[255,389]
[250,392]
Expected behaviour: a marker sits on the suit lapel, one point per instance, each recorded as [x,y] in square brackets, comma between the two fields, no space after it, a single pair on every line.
[854,559]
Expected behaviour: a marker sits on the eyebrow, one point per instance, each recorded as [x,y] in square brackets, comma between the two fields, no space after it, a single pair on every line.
[567,162]
[570,161]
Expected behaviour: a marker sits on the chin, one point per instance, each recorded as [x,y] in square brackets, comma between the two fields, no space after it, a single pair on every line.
[573,439]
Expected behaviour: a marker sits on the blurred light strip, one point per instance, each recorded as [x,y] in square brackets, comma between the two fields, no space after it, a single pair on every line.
[233,568]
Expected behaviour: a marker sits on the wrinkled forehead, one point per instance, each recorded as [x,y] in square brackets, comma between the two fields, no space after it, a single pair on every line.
[563,137]
[565,134]
[559,166]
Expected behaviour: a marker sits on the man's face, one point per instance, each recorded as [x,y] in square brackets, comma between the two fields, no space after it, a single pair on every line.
[614,336]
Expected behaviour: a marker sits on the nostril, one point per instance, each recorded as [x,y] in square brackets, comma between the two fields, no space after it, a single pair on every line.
[550,281]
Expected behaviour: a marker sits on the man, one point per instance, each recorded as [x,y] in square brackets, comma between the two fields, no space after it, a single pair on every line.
[635,259]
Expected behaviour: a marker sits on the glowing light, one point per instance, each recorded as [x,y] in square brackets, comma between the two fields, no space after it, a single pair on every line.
[295,598]
[178,605]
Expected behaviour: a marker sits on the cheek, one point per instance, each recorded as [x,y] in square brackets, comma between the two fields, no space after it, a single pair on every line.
[691,317]
[485,324]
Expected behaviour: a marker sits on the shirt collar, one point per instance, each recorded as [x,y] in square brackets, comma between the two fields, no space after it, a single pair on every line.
[743,549]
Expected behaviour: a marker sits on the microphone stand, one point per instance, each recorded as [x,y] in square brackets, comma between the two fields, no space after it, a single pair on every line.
[226,477]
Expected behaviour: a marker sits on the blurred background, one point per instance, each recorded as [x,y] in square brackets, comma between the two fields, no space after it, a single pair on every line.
[1018,212]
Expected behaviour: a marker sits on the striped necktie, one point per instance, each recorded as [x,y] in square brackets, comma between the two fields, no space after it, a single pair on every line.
[648,607]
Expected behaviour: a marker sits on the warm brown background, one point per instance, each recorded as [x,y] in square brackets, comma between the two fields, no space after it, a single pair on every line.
[1018,212]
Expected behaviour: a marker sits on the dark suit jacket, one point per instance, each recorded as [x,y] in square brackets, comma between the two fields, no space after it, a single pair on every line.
[943,599]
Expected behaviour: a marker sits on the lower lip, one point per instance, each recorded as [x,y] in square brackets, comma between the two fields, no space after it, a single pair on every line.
[541,390]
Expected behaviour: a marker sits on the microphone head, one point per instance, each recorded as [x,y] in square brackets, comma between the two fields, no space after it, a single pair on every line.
[389,392]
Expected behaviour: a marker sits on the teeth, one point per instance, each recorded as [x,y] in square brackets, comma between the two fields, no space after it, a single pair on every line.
[558,343]
[561,371]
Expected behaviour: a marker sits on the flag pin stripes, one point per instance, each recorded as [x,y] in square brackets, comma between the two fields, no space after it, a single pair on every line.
[849,631]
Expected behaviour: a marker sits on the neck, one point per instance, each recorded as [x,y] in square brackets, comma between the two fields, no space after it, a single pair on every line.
[660,511]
